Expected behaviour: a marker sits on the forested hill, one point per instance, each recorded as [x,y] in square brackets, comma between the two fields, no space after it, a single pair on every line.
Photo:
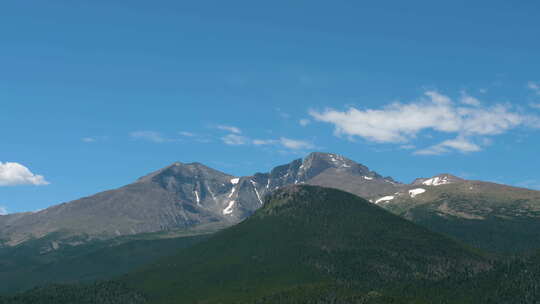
[315,245]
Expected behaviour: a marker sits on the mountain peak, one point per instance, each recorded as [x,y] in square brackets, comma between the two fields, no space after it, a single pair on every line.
[334,159]
[316,162]
[180,169]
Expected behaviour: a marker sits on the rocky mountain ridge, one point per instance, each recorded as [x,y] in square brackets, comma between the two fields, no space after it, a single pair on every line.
[187,196]
[192,196]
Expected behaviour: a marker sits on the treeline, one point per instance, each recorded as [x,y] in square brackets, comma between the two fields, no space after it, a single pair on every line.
[95,293]
[510,282]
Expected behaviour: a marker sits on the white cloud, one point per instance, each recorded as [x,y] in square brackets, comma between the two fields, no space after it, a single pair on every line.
[234,140]
[407,147]
[304,122]
[469,100]
[402,122]
[295,144]
[92,139]
[282,114]
[438,98]
[534,86]
[459,144]
[151,136]
[489,121]
[396,122]
[292,144]
[231,129]
[3,210]
[89,139]
[198,137]
[187,134]
[12,174]
[263,142]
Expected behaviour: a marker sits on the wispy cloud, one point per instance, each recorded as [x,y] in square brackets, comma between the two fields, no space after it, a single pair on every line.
[93,139]
[235,140]
[265,142]
[304,122]
[468,99]
[283,114]
[187,134]
[407,147]
[197,137]
[231,129]
[534,86]
[150,136]
[402,122]
[3,210]
[288,143]
[89,139]
[459,144]
[295,144]
[13,174]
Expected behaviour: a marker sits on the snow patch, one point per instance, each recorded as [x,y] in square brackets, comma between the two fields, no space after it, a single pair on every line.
[234,181]
[197,198]
[229,210]
[232,192]
[436,181]
[256,192]
[211,193]
[415,192]
[368,178]
[384,199]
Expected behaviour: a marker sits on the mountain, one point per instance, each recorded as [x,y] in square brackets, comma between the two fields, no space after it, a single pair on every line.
[309,244]
[486,215]
[197,198]
[306,236]
[178,196]
[185,196]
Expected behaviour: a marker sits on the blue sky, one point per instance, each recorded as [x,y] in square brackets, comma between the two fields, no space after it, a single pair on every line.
[94,94]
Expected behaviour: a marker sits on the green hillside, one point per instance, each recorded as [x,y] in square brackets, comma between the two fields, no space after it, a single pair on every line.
[306,236]
[36,262]
[318,246]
